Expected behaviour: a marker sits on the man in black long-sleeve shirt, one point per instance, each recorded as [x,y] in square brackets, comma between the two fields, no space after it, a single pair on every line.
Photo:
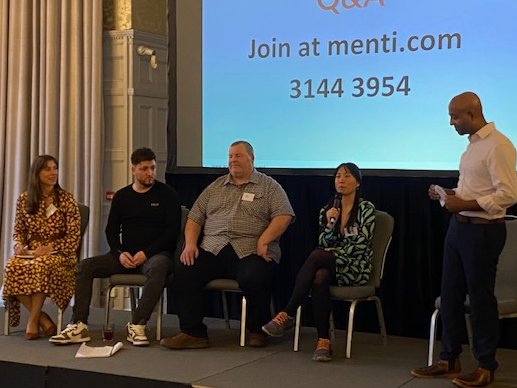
[142,229]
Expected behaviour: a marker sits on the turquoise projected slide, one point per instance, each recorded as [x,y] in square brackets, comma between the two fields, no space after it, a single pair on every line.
[313,83]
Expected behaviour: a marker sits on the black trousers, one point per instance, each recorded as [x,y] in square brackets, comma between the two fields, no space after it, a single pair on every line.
[471,253]
[316,276]
[252,272]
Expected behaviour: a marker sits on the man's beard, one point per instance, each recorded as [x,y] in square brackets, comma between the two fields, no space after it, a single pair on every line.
[144,183]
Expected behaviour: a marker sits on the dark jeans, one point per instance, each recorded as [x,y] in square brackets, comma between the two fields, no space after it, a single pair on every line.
[155,268]
[252,272]
[318,272]
[471,253]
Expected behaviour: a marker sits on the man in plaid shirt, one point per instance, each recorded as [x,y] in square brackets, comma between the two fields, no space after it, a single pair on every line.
[242,216]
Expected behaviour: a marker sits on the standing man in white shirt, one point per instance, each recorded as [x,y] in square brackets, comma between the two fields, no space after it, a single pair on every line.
[487,186]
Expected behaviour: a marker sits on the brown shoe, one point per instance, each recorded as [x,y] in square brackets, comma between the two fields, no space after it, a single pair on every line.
[442,368]
[31,336]
[185,341]
[479,378]
[257,340]
[49,327]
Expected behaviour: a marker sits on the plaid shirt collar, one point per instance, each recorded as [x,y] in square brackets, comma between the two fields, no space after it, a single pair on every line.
[253,178]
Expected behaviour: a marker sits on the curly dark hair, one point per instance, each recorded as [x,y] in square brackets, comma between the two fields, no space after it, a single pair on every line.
[142,155]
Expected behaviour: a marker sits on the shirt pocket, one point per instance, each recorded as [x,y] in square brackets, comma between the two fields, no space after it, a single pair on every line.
[255,208]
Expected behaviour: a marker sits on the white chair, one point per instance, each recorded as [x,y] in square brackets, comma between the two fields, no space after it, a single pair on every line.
[136,281]
[84,212]
[231,285]
[505,287]
[381,239]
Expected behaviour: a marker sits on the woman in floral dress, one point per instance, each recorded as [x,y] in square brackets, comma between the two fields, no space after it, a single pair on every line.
[46,238]
[343,257]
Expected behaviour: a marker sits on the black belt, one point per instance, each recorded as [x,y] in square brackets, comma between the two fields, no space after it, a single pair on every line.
[477,220]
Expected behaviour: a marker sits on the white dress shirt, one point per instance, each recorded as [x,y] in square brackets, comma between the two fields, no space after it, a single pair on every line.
[487,173]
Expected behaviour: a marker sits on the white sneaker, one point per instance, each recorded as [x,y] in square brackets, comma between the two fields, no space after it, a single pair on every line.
[74,333]
[136,335]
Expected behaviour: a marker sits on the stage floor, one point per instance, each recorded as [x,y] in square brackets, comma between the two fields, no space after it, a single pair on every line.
[226,365]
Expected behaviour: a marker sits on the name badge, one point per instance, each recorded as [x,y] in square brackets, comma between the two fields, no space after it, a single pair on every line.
[248,197]
[353,231]
[50,210]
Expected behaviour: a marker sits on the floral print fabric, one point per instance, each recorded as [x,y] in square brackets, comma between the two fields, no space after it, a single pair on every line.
[53,274]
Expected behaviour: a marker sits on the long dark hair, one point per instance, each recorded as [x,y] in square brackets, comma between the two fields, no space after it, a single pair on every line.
[34,194]
[351,168]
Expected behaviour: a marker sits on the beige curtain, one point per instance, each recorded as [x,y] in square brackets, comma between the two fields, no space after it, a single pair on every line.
[51,102]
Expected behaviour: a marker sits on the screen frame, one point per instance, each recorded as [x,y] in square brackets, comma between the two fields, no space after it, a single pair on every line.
[184,155]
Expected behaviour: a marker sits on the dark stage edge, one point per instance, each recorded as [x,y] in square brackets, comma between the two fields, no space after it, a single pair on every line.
[18,375]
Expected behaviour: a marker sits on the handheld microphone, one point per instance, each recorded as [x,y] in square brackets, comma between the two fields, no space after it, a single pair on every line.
[337,205]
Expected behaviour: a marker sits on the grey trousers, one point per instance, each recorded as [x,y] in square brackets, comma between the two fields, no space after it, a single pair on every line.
[156,268]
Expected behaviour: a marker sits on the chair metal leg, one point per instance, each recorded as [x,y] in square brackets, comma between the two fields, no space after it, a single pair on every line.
[107,300]
[332,327]
[243,321]
[380,317]
[297,328]
[469,332]
[6,319]
[59,320]
[159,319]
[133,301]
[432,336]
[133,298]
[225,309]
[350,328]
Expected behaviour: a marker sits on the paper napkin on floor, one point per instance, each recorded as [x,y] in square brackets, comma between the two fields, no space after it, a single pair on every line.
[86,351]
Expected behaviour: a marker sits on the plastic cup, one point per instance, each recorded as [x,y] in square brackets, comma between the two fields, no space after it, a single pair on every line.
[107,332]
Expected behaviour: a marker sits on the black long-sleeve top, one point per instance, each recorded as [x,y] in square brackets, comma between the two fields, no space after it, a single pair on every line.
[148,222]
